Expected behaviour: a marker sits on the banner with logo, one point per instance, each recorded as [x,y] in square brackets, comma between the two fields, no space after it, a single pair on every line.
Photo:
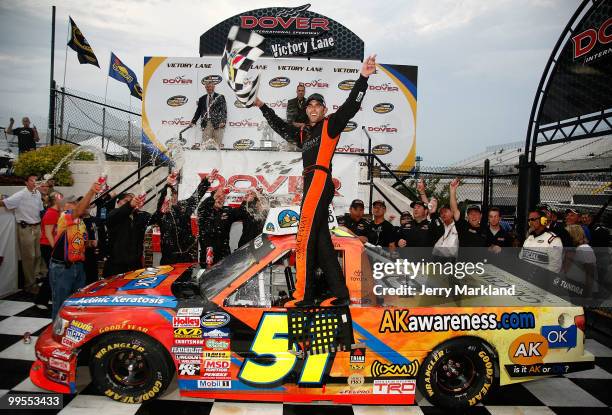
[275,173]
[172,87]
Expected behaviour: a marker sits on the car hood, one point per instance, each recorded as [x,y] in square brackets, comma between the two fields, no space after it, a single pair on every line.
[155,281]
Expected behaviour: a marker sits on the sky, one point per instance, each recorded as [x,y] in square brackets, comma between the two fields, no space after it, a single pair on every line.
[479,61]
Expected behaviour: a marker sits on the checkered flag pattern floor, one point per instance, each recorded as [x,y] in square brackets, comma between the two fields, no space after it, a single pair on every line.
[320,329]
[241,51]
[573,394]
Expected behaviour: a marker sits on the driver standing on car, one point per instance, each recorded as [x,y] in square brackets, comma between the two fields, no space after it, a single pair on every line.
[318,140]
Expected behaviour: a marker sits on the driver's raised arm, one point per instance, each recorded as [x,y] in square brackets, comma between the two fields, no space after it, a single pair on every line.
[287,131]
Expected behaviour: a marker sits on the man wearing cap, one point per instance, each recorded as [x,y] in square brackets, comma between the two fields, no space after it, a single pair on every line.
[318,140]
[382,232]
[355,221]
[66,266]
[555,225]
[470,233]
[572,217]
[447,243]
[542,247]
[416,232]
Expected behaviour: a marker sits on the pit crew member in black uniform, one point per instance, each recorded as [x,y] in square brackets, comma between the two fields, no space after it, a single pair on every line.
[355,221]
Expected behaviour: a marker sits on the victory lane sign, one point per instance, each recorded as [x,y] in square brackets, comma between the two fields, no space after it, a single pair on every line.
[302,47]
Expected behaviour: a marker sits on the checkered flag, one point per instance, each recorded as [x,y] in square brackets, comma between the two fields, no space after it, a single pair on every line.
[241,51]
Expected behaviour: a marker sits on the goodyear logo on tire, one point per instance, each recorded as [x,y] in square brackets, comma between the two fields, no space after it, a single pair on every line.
[177,100]
[346,85]
[350,126]
[383,108]
[288,218]
[279,82]
[382,149]
[215,79]
[243,144]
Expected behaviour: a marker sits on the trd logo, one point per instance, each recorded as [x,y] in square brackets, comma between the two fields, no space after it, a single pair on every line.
[394,387]
[189,369]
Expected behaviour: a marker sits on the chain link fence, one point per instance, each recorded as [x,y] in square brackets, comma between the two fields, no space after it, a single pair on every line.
[85,119]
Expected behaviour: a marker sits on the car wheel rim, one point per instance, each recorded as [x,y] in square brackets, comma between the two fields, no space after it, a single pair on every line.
[456,374]
[129,368]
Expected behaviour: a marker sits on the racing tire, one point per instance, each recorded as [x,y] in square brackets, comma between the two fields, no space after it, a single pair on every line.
[458,373]
[130,367]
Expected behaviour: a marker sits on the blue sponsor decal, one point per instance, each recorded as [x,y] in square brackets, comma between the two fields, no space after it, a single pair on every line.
[559,337]
[144,283]
[216,333]
[123,300]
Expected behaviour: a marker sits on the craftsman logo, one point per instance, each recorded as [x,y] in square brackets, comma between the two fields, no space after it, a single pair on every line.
[179,80]
[186,322]
[559,337]
[394,387]
[215,319]
[188,333]
[385,129]
[243,144]
[215,79]
[386,87]
[528,349]
[177,100]
[383,108]
[189,342]
[143,283]
[585,41]
[346,85]
[186,369]
[279,82]
[381,369]
[350,126]
[382,149]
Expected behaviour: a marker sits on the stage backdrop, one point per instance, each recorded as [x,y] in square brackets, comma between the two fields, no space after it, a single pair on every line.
[172,87]
[275,173]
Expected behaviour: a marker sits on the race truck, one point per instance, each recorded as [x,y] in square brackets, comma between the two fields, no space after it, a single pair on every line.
[226,334]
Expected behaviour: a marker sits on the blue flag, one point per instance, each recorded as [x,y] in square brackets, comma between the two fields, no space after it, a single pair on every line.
[122,73]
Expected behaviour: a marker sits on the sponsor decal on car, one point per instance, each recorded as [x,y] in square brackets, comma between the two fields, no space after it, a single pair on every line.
[77,331]
[214,319]
[216,355]
[61,354]
[59,364]
[123,300]
[357,358]
[217,344]
[546,369]
[185,321]
[189,342]
[394,387]
[188,358]
[188,333]
[148,272]
[214,384]
[382,370]
[191,312]
[186,350]
[528,349]
[187,369]
[125,325]
[288,218]
[143,283]
[134,346]
[559,337]
[355,379]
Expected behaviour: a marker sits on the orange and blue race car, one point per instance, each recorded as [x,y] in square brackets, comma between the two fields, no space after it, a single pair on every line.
[225,333]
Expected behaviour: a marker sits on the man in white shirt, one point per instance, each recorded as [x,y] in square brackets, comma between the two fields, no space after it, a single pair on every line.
[542,247]
[447,246]
[27,205]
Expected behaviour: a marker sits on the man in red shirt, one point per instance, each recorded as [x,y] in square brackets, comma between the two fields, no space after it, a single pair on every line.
[48,227]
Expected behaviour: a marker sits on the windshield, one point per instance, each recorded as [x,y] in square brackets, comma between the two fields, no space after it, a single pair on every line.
[212,281]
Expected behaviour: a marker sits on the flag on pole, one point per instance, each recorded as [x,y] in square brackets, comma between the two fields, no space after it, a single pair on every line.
[122,73]
[79,44]
[241,51]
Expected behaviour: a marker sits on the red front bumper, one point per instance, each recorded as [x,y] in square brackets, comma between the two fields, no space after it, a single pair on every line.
[51,371]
